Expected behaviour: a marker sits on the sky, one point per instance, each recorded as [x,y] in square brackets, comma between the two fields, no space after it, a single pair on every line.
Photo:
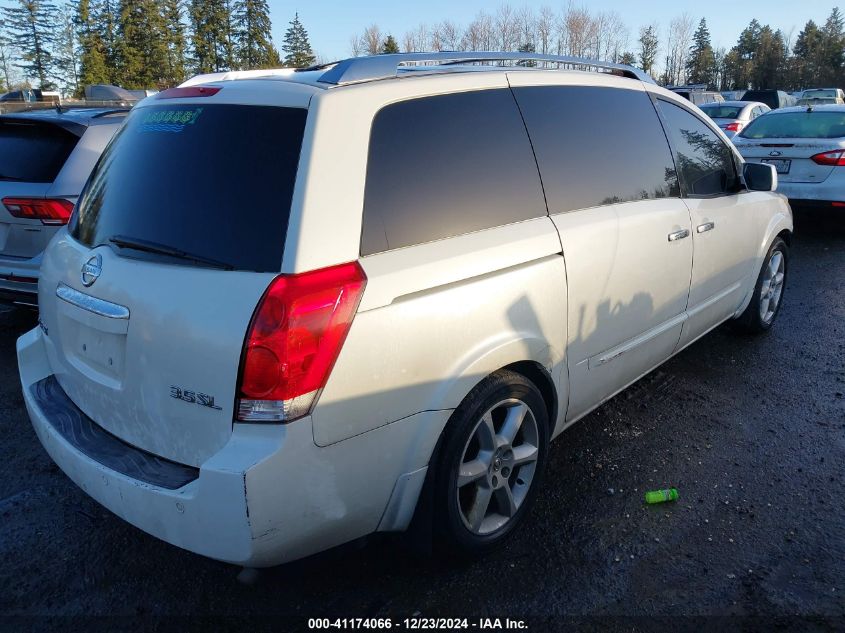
[331,23]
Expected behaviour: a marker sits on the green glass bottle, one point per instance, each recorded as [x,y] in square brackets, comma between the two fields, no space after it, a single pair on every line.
[661,496]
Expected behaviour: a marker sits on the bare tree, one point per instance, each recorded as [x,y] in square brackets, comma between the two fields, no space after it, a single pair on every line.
[449,35]
[611,36]
[506,28]
[355,45]
[479,35]
[526,28]
[545,29]
[678,41]
[371,40]
[579,31]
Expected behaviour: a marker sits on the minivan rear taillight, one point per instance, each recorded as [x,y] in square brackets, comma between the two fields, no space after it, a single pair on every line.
[835,158]
[53,211]
[294,340]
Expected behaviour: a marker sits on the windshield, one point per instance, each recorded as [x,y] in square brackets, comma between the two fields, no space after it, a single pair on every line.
[717,111]
[797,125]
[211,182]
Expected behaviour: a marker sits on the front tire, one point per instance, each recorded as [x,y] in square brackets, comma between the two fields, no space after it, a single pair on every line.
[491,464]
[767,299]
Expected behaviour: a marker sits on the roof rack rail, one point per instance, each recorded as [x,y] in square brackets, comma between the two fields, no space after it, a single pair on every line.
[374,67]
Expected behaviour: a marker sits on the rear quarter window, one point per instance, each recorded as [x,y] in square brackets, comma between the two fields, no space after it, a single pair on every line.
[212,180]
[33,152]
[447,165]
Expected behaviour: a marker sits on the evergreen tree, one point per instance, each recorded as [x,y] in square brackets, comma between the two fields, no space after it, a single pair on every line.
[5,58]
[210,35]
[700,61]
[648,48]
[807,56]
[296,46]
[174,40]
[253,35]
[32,25]
[93,67]
[833,47]
[391,46]
[141,46]
[628,58]
[528,47]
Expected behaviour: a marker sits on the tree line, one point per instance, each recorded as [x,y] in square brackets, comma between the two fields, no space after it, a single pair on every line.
[138,44]
[681,53]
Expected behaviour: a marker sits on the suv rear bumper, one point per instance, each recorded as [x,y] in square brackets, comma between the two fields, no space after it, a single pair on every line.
[269,496]
[19,281]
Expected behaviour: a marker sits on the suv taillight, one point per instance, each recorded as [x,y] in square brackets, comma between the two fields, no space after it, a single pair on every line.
[53,211]
[835,158]
[294,340]
[733,127]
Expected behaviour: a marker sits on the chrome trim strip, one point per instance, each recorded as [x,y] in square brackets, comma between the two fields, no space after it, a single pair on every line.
[91,304]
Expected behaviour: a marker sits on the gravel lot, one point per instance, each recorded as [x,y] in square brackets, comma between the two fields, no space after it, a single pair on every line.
[751,431]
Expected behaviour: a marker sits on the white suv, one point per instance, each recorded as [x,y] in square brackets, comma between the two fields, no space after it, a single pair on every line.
[293,311]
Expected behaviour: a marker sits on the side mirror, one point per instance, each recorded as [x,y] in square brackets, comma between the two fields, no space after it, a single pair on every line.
[760,177]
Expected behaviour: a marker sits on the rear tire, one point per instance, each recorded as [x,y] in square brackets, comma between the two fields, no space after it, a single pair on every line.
[491,464]
[767,299]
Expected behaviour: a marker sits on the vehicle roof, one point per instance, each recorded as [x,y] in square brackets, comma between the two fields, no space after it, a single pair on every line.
[371,68]
[74,120]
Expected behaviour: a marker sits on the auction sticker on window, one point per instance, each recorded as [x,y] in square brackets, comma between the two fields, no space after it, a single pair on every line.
[169,120]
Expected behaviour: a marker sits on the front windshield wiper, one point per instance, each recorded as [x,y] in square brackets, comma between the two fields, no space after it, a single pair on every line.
[162,249]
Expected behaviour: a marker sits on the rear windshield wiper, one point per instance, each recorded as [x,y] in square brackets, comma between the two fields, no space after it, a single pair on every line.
[162,249]
[14,178]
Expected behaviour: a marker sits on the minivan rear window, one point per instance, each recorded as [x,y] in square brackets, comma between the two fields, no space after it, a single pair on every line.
[33,152]
[214,181]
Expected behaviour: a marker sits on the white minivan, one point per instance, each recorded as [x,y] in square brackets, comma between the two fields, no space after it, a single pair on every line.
[292,311]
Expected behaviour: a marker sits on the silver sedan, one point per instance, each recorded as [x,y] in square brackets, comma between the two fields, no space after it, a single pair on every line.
[733,116]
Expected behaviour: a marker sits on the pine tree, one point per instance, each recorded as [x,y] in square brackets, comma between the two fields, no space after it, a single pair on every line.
[648,48]
[210,35]
[807,56]
[390,45]
[93,68]
[628,58]
[174,40]
[32,25]
[700,61]
[5,58]
[297,48]
[141,47]
[254,48]
[833,49]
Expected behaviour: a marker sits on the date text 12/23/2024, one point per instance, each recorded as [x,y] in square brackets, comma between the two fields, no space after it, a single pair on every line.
[418,623]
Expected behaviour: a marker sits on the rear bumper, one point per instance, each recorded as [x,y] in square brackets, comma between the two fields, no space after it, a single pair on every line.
[269,496]
[19,281]
[813,193]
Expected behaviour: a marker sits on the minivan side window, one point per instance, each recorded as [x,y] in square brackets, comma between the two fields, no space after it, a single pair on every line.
[705,163]
[597,146]
[447,165]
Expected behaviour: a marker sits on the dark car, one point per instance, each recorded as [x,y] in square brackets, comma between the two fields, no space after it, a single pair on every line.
[773,98]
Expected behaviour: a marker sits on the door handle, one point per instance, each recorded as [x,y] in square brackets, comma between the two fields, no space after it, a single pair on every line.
[678,235]
[707,226]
